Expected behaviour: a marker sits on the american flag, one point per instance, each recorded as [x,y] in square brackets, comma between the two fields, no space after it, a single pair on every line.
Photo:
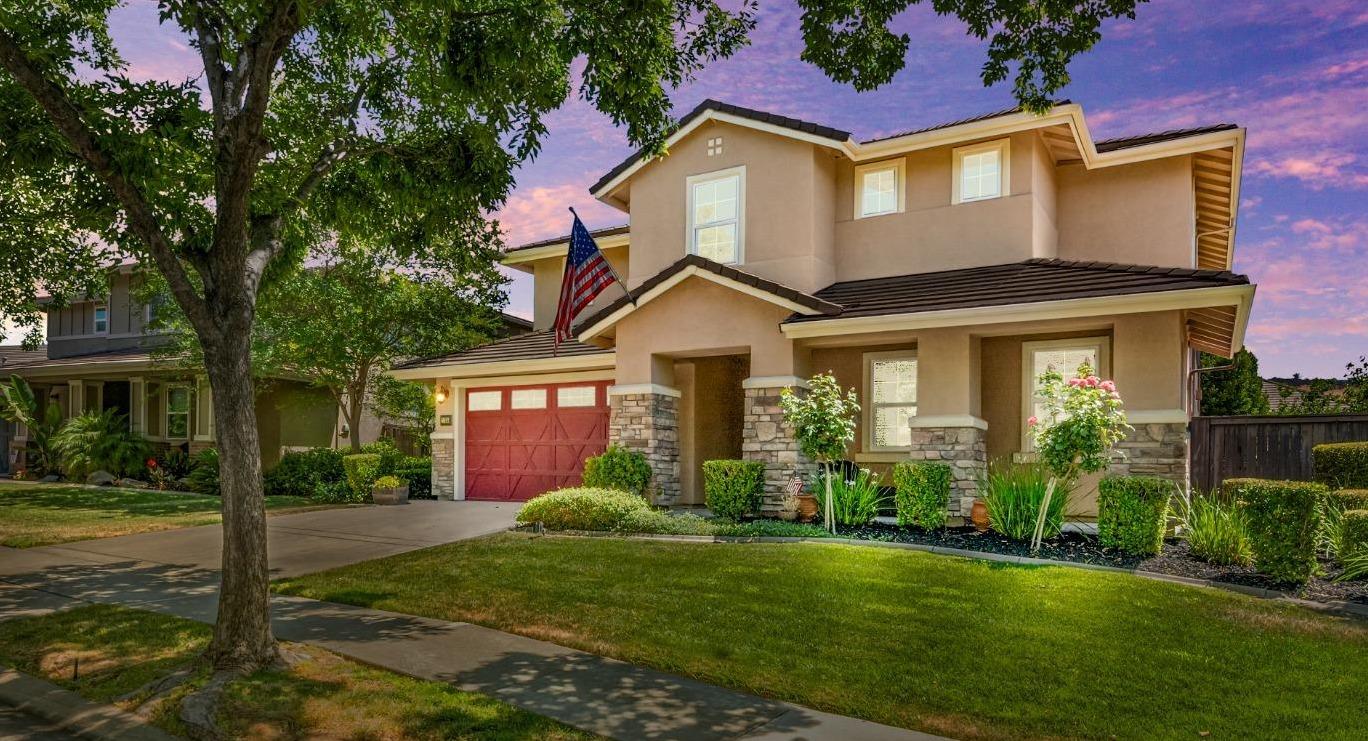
[587,273]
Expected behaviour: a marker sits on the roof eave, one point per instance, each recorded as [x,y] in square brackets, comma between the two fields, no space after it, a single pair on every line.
[527,366]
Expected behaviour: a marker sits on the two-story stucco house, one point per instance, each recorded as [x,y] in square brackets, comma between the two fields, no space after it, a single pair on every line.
[937,272]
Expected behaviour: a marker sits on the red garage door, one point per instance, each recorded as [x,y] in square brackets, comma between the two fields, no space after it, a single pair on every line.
[521,441]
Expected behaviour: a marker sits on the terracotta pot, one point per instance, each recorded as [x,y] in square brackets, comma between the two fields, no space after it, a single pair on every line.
[807,508]
[397,495]
[979,516]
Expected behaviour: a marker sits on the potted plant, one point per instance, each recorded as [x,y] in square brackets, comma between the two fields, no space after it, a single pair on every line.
[390,490]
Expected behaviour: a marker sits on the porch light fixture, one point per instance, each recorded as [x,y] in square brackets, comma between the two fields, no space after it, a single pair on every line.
[441,394]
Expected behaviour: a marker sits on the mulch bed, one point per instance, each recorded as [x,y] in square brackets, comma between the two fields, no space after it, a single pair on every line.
[1174,560]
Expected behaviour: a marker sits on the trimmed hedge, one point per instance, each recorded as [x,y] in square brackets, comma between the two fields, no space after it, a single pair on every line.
[299,473]
[1347,499]
[583,508]
[420,481]
[734,489]
[1230,488]
[362,471]
[922,493]
[1341,465]
[1354,540]
[1282,518]
[618,468]
[1131,513]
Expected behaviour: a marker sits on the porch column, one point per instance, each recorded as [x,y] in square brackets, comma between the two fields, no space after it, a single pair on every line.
[948,425]
[204,415]
[137,405]
[447,466]
[1149,365]
[767,438]
[75,398]
[645,417]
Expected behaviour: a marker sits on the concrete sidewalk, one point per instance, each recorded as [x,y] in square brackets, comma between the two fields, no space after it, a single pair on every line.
[596,694]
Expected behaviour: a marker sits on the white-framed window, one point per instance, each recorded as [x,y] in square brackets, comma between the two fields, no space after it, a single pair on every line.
[527,399]
[1064,356]
[982,171]
[178,412]
[715,146]
[891,388]
[716,208]
[576,396]
[101,319]
[484,401]
[879,189]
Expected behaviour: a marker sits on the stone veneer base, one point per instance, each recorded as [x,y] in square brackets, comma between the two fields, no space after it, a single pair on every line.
[444,468]
[649,423]
[765,437]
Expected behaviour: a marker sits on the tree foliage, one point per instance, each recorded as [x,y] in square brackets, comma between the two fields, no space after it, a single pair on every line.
[1325,396]
[1235,391]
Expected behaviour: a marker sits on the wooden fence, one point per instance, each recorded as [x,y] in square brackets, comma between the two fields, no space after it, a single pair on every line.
[1265,447]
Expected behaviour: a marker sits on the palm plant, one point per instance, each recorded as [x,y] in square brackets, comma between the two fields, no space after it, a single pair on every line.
[100,441]
[1215,529]
[19,404]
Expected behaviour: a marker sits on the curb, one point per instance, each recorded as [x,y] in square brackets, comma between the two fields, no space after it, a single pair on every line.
[1348,609]
[71,712]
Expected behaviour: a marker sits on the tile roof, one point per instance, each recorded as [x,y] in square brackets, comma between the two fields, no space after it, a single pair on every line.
[806,127]
[726,271]
[1031,281]
[125,355]
[15,356]
[595,233]
[960,122]
[1139,140]
[530,346]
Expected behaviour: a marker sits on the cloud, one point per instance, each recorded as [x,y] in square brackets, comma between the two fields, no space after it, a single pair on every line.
[540,212]
[1317,171]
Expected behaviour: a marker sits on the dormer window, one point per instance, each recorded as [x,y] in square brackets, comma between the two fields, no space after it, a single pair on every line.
[716,209]
[101,320]
[981,171]
[878,189]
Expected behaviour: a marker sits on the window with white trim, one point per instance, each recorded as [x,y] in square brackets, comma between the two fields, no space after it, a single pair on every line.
[878,189]
[891,388]
[716,205]
[178,412]
[527,399]
[484,401]
[981,171]
[101,319]
[576,396]
[1063,356]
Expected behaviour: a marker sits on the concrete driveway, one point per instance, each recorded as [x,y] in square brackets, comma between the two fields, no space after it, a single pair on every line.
[298,544]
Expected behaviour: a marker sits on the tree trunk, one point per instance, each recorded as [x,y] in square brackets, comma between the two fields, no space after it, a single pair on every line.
[242,633]
[354,401]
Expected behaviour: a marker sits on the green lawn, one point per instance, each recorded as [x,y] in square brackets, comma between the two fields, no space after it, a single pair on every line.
[43,514]
[969,649]
[109,653]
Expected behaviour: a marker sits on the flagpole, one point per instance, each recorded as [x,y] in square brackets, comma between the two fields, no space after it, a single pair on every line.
[611,269]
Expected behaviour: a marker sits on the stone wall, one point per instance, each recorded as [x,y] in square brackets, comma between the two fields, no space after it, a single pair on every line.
[443,468]
[649,423]
[767,438]
[965,449]
[1156,450]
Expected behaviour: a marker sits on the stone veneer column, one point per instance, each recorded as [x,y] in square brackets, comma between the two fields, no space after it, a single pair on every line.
[1156,449]
[648,422]
[765,437]
[443,467]
[965,449]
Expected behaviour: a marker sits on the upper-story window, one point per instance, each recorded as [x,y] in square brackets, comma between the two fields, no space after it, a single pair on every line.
[101,319]
[878,189]
[716,214]
[981,171]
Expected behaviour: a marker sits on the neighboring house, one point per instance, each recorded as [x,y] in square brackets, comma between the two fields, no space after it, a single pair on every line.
[937,272]
[99,355]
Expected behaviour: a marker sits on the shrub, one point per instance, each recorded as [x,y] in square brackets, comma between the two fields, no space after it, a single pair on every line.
[734,489]
[1230,488]
[176,464]
[100,441]
[1354,535]
[661,523]
[582,508]
[1330,530]
[771,529]
[1347,499]
[1131,513]
[362,471]
[389,482]
[391,457]
[419,481]
[855,501]
[1282,526]
[922,494]
[332,492]
[1341,465]
[618,468]
[1215,529]
[204,477]
[299,473]
[1013,493]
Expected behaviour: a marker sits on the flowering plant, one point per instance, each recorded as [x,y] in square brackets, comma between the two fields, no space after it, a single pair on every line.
[1082,424]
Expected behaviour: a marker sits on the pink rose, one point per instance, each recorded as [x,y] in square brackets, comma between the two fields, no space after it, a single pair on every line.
[1032,422]
[1075,382]
[1108,386]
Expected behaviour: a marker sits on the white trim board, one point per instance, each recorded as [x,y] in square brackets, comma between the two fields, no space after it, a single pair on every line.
[508,368]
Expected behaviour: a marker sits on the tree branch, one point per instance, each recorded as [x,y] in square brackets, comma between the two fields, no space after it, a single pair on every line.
[69,120]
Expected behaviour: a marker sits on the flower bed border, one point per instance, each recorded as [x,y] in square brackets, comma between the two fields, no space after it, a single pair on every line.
[1337,607]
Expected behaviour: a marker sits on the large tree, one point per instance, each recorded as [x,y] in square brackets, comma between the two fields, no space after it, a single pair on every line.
[391,123]
[1236,390]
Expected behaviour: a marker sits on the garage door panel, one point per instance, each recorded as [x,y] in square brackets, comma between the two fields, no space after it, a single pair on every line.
[516,454]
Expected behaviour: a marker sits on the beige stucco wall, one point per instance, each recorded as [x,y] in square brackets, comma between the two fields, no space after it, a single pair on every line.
[697,318]
[710,417]
[1141,213]
[546,286]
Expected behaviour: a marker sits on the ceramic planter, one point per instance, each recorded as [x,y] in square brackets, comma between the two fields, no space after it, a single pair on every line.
[390,495]
[807,508]
[979,516]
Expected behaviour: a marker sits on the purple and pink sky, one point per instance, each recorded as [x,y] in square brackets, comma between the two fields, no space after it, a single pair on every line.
[1293,72]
